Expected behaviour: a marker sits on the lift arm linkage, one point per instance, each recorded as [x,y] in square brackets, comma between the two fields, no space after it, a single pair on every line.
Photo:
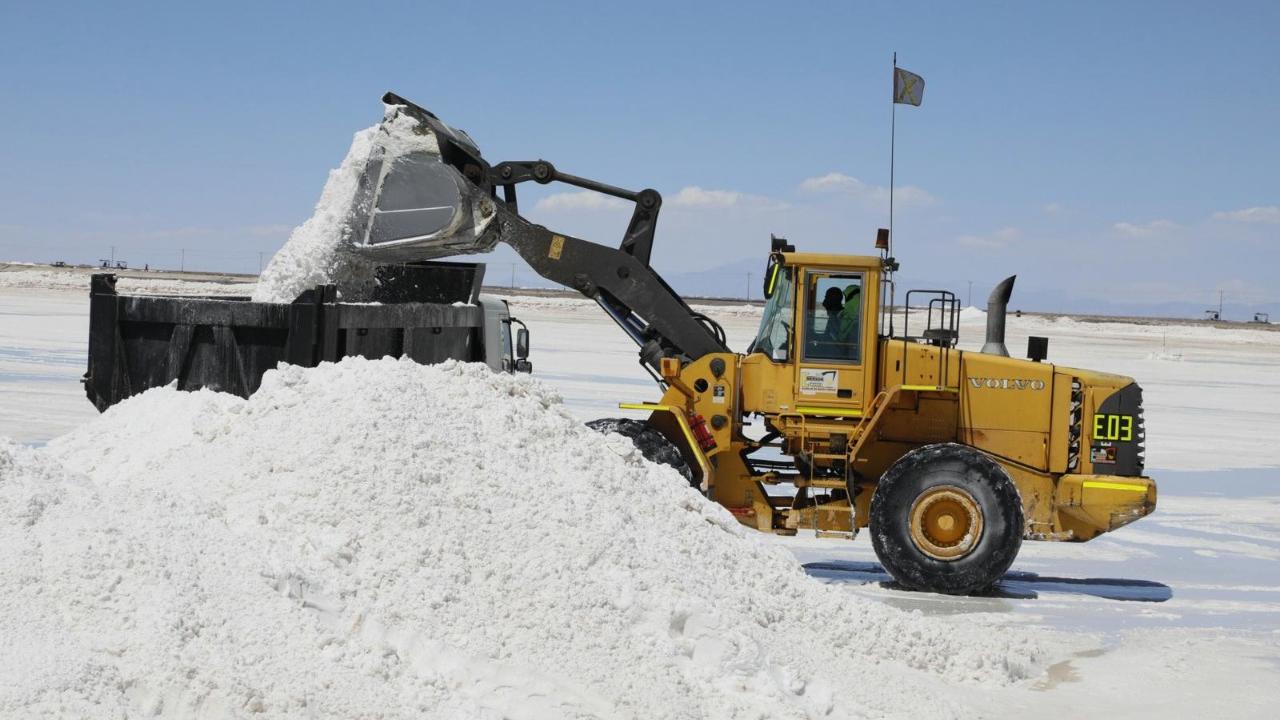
[620,279]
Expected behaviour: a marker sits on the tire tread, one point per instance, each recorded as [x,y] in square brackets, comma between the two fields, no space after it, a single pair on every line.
[981,476]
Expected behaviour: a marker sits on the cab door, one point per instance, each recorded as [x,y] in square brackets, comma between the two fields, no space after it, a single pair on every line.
[832,312]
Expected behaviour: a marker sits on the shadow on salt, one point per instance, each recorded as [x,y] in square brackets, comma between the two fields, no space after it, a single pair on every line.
[1017,585]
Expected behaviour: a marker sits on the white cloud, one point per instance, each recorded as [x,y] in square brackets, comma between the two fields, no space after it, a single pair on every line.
[581,200]
[836,182]
[906,196]
[998,239]
[1269,214]
[832,182]
[691,197]
[694,196]
[1141,230]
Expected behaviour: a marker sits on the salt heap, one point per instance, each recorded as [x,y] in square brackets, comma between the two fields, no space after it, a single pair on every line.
[317,251]
[386,539]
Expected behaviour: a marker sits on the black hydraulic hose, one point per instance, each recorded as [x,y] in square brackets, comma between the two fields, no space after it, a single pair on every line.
[712,326]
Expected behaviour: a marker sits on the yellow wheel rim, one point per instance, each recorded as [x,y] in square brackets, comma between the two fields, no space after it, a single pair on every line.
[946,522]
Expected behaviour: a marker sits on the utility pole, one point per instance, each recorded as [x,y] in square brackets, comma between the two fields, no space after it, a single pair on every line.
[748,286]
[513,276]
[1220,304]
[182,264]
[969,302]
[260,253]
[113,255]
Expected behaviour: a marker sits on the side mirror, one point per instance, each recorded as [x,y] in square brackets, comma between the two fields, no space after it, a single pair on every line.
[522,344]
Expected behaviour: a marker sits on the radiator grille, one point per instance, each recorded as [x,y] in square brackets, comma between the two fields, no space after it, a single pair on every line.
[1074,429]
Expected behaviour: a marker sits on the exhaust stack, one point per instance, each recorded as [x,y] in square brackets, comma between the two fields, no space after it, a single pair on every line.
[997,305]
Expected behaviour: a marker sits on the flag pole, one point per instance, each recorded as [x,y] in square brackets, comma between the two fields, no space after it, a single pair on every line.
[893,128]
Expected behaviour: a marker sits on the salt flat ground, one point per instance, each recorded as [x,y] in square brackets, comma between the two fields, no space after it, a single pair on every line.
[1177,615]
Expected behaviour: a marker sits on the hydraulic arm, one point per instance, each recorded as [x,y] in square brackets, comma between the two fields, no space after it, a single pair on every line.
[418,205]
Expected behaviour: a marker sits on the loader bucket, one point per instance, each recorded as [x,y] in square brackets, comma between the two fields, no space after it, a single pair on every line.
[414,201]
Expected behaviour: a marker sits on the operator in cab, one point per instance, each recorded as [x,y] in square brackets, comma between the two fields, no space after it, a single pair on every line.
[847,327]
[839,336]
[833,303]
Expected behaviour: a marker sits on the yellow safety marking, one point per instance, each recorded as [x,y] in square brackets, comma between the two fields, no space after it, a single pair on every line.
[684,429]
[929,388]
[773,277]
[557,247]
[1114,486]
[810,410]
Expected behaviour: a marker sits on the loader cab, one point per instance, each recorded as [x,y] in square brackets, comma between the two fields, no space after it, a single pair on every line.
[818,332]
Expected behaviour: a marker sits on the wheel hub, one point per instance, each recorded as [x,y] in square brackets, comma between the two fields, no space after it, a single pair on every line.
[946,522]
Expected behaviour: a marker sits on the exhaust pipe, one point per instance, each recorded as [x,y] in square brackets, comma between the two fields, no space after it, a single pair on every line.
[997,305]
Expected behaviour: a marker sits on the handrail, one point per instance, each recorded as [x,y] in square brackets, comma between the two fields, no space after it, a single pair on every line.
[880,404]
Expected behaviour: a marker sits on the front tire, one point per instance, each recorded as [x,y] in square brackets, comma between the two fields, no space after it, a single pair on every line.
[653,445]
[946,518]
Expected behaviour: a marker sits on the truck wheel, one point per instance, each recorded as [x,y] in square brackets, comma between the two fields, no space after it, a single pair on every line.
[946,518]
[653,445]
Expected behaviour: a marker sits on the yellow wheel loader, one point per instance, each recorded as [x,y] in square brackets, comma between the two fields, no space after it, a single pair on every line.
[830,420]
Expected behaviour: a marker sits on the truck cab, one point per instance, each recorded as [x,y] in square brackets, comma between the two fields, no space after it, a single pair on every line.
[506,339]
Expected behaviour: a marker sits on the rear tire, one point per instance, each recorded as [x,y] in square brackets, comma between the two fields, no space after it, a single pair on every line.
[946,518]
[653,445]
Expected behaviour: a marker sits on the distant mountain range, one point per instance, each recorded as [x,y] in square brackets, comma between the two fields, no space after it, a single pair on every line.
[737,279]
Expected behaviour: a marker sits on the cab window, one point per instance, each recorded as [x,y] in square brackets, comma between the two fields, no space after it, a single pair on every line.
[507,354]
[833,318]
[774,336]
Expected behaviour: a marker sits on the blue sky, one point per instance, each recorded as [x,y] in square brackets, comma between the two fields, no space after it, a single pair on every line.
[1114,155]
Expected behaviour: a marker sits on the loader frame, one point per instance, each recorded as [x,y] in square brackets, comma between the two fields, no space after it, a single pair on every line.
[843,423]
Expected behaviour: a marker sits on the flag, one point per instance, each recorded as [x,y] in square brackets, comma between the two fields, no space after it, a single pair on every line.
[908,87]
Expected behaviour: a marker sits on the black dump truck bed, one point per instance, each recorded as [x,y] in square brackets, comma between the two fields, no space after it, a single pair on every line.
[429,312]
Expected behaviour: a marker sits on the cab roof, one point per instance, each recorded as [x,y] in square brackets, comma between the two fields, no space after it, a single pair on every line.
[831,260]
